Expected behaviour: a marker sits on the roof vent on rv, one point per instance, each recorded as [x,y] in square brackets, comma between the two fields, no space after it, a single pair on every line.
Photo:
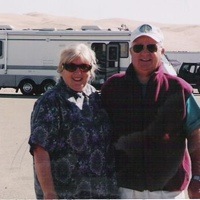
[69,29]
[6,27]
[45,29]
[90,28]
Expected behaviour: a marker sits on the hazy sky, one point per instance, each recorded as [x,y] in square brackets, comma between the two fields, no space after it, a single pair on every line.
[162,11]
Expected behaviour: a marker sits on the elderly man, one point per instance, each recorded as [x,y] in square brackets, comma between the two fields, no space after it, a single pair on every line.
[156,122]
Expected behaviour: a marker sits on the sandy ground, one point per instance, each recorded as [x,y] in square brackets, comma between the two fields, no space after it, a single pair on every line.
[16,174]
[16,169]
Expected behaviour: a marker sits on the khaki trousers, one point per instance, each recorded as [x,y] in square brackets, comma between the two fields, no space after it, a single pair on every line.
[126,193]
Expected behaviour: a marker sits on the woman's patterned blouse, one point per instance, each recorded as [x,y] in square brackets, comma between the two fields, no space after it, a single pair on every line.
[75,130]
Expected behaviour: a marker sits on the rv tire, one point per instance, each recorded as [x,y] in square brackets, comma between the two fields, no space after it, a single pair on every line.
[27,87]
[47,85]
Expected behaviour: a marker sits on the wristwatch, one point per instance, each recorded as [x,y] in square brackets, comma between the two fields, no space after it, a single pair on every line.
[196,177]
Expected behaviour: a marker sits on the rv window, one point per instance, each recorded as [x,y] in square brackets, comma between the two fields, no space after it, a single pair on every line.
[113,53]
[100,50]
[124,49]
[1,48]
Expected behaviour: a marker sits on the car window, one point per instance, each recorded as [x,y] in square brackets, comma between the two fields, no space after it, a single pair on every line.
[185,67]
[192,69]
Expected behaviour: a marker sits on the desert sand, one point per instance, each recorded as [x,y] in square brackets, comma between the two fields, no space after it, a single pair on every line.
[16,169]
[177,37]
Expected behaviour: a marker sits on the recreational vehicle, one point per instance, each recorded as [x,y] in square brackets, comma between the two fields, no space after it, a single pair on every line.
[29,58]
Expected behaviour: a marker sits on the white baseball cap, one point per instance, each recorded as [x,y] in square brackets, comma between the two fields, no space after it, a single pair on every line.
[148,30]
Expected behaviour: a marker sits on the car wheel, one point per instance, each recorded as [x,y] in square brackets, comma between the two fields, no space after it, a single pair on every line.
[198,88]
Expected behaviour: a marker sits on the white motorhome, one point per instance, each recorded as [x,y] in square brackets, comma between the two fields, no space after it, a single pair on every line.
[29,58]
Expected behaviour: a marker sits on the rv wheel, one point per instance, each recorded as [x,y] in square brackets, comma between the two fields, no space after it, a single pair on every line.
[27,87]
[47,85]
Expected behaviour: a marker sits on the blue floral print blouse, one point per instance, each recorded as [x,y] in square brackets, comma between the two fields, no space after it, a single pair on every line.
[75,130]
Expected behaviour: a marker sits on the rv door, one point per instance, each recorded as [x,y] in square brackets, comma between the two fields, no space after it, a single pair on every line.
[112,66]
[108,61]
[2,62]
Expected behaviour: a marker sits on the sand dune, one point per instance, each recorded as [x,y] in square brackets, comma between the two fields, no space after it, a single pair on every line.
[177,37]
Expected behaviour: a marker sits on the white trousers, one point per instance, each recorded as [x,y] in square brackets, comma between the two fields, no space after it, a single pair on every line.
[126,193]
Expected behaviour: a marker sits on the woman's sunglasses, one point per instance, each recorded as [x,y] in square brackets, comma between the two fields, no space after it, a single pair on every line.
[73,67]
[137,48]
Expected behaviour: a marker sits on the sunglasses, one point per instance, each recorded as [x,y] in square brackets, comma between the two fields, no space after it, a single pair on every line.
[73,67]
[137,48]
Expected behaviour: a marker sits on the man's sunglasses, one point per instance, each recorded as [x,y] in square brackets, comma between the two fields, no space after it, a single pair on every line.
[137,48]
[73,67]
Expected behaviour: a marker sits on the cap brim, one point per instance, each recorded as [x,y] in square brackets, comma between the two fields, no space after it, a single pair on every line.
[157,39]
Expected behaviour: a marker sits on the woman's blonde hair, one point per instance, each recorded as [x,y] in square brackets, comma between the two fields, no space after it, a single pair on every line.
[82,51]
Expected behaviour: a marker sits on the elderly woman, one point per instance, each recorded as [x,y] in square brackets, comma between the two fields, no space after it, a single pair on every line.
[70,134]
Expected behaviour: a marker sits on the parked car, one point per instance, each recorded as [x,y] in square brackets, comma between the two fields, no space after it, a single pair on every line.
[190,72]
